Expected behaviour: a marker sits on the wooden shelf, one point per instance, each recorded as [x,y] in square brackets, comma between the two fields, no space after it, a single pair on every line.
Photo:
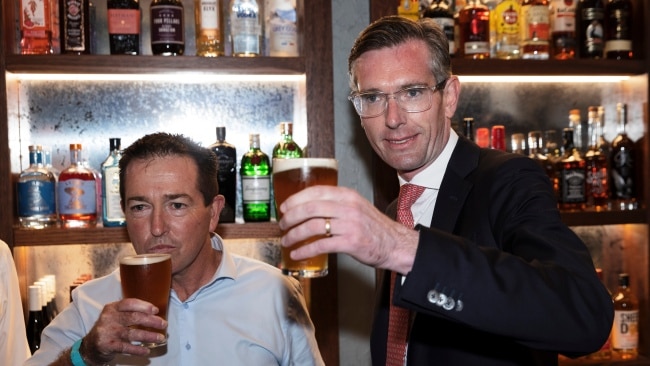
[100,235]
[640,361]
[591,218]
[585,67]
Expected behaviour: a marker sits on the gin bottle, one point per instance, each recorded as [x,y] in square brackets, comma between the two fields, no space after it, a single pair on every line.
[256,182]
[77,193]
[286,148]
[112,214]
[227,174]
[36,189]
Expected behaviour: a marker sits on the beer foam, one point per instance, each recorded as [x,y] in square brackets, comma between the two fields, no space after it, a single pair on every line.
[281,165]
[140,259]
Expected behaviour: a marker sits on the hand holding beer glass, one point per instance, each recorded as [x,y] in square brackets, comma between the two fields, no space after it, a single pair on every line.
[148,277]
[289,177]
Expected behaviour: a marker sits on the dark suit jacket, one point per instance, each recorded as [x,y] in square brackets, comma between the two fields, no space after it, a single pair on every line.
[498,279]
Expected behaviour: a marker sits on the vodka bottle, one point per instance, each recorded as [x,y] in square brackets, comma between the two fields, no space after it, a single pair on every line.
[245,28]
[281,28]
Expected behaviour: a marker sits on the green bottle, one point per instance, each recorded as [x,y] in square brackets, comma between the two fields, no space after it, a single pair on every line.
[256,182]
[286,148]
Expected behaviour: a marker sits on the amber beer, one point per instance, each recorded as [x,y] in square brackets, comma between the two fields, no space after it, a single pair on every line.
[148,277]
[289,177]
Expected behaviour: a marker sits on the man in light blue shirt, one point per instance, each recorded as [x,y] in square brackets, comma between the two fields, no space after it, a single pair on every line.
[223,309]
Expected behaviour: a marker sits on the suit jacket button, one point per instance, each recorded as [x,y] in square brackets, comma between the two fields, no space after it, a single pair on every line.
[432,296]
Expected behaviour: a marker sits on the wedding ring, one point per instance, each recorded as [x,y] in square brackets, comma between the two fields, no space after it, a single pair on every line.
[328,228]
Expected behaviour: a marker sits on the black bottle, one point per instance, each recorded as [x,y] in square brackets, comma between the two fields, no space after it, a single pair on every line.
[124,27]
[590,28]
[618,29]
[167,28]
[74,23]
[227,175]
[35,321]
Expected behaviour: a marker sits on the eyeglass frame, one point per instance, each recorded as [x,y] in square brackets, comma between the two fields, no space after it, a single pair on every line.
[354,95]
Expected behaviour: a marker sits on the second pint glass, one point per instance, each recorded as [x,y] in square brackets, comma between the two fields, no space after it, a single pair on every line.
[289,177]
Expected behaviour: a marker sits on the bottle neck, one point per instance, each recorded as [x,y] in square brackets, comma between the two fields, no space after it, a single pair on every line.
[75,157]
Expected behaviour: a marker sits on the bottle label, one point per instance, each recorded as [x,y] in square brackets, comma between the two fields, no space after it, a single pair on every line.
[246,30]
[507,18]
[35,16]
[623,174]
[77,196]
[476,47]
[563,16]
[36,198]
[167,24]
[123,21]
[536,22]
[256,188]
[209,15]
[283,33]
[111,205]
[625,331]
[572,183]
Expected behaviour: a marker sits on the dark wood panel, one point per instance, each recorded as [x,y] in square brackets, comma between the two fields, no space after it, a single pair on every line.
[547,67]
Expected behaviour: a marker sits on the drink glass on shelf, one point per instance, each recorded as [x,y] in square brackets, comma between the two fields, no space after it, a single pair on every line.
[148,277]
[289,177]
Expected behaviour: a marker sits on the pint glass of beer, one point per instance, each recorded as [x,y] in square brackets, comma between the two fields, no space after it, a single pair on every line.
[148,277]
[289,177]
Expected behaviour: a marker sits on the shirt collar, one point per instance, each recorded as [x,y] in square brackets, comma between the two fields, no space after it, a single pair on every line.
[431,176]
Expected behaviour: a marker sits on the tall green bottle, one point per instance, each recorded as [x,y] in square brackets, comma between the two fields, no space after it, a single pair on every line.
[286,148]
[256,182]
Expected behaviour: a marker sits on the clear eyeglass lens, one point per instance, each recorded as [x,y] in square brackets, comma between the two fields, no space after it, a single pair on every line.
[411,100]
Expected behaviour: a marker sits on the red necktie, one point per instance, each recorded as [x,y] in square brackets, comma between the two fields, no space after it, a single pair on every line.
[398,318]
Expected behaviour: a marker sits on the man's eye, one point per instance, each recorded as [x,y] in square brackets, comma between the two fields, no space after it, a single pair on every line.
[178,205]
[370,98]
[413,93]
[137,208]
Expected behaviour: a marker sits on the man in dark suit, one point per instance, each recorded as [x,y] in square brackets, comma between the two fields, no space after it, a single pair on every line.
[489,275]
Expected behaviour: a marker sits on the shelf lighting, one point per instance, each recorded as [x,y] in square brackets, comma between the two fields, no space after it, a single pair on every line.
[184,78]
[570,79]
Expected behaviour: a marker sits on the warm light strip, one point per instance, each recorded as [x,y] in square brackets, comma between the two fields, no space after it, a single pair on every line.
[542,78]
[186,78]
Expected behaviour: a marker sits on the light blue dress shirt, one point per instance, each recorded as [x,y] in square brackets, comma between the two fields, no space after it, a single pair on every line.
[248,314]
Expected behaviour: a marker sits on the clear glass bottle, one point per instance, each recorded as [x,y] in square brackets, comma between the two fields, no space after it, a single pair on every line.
[571,176]
[112,213]
[123,27]
[563,29]
[535,30]
[256,182]
[506,21]
[209,24]
[167,27]
[77,193]
[618,29]
[227,174]
[625,331]
[36,193]
[245,28]
[442,13]
[281,28]
[622,165]
[474,28]
[575,122]
[35,321]
[597,183]
[590,28]
[35,27]
[286,148]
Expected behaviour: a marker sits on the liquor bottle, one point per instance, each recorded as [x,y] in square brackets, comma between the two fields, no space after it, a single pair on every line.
[286,148]
[563,29]
[474,29]
[443,15]
[535,152]
[35,319]
[256,182]
[209,24]
[35,27]
[167,28]
[597,183]
[42,287]
[570,175]
[468,128]
[409,9]
[506,21]
[535,30]
[51,285]
[227,174]
[281,28]
[618,29]
[622,164]
[625,331]
[590,27]
[575,122]
[112,214]
[245,28]
[483,137]
[77,195]
[36,195]
[123,27]
[498,137]
[74,26]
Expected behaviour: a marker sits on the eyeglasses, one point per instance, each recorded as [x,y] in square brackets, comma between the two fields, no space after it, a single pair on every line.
[413,99]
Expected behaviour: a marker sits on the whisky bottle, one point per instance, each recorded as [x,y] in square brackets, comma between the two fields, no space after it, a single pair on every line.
[535,30]
[474,31]
[209,26]
[597,183]
[622,165]
[77,193]
[74,26]
[36,189]
[123,27]
[563,29]
[535,152]
[35,321]
[442,13]
[575,122]
[281,28]
[618,29]
[245,28]
[590,27]
[286,148]
[167,28]
[227,174]
[35,27]
[506,21]
[570,175]
[256,182]
[625,331]
[112,214]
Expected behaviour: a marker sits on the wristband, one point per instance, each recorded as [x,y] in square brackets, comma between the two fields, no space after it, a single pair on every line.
[75,356]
